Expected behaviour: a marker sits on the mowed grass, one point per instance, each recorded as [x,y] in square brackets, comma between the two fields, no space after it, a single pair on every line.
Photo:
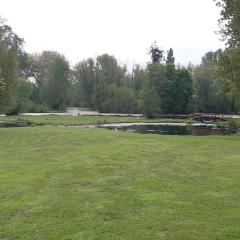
[83,120]
[95,184]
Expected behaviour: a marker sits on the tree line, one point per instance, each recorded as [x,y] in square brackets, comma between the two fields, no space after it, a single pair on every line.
[45,81]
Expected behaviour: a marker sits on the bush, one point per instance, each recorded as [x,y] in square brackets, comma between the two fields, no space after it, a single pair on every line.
[38,108]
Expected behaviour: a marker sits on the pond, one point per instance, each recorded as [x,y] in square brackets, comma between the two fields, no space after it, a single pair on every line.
[172,128]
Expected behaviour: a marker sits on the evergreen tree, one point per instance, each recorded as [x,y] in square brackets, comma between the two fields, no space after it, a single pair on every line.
[170,58]
[171,75]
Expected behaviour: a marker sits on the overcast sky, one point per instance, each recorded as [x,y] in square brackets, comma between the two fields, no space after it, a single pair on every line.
[125,28]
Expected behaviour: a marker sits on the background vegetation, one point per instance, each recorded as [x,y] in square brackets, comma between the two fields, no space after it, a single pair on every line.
[45,81]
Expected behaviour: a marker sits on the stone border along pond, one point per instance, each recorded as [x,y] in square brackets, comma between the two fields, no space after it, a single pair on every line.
[197,129]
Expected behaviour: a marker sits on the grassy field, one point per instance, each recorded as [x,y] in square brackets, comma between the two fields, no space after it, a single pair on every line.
[83,120]
[95,184]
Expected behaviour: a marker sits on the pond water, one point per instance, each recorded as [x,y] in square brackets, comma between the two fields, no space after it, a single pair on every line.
[171,128]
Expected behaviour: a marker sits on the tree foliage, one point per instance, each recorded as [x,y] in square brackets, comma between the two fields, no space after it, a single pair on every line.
[43,81]
[57,85]
[40,65]
[10,49]
[229,76]
[229,63]
[150,103]
[172,85]
[8,78]
[156,53]
[230,21]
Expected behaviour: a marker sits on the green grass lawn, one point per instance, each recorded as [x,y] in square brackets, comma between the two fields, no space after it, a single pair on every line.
[83,120]
[96,184]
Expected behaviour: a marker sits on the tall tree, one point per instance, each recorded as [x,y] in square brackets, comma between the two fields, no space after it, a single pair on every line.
[157,80]
[184,91]
[229,75]
[170,58]
[58,85]
[8,78]
[150,102]
[40,66]
[156,53]
[138,78]
[11,46]
[11,39]
[207,90]
[173,86]
[230,21]
[84,78]
[229,63]
[172,76]
[15,43]
[109,74]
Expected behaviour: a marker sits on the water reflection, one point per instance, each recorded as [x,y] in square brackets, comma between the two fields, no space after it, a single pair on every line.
[172,128]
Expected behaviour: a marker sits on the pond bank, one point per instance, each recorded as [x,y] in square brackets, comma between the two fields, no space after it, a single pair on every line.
[164,128]
[87,112]
[173,128]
